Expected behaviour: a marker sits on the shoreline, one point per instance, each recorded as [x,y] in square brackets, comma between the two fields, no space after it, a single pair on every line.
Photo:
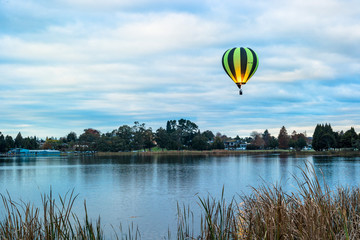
[332,153]
[342,153]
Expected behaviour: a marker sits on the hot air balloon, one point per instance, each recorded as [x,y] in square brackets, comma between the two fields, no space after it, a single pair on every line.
[240,64]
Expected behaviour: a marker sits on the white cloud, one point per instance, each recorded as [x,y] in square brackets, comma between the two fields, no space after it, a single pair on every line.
[78,61]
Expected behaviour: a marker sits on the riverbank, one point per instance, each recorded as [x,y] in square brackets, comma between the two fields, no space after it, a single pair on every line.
[337,153]
[341,153]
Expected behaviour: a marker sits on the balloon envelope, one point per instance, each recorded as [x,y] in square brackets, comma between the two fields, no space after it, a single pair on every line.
[240,64]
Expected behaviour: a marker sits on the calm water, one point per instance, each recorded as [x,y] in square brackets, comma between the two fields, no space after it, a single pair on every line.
[146,190]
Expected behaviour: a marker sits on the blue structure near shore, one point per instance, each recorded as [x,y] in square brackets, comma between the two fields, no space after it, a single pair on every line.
[23,151]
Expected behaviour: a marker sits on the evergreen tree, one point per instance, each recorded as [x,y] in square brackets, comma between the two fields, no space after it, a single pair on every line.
[356,143]
[27,143]
[283,138]
[327,141]
[71,137]
[349,138]
[267,138]
[293,139]
[9,142]
[2,143]
[19,141]
[273,143]
[337,136]
[316,138]
[329,137]
[324,137]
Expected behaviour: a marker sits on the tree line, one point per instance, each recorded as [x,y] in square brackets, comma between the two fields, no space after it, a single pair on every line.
[325,138]
[283,141]
[183,135]
[7,142]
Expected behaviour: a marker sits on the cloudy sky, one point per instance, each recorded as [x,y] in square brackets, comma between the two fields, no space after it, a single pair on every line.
[67,65]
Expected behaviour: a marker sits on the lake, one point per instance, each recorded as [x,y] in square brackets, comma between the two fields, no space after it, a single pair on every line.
[145,190]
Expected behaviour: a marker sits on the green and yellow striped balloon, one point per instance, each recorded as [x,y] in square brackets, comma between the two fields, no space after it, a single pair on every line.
[240,64]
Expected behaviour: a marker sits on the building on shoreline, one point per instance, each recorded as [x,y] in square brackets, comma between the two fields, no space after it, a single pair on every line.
[23,151]
[234,144]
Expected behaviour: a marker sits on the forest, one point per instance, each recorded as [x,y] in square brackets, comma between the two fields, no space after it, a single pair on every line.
[184,135]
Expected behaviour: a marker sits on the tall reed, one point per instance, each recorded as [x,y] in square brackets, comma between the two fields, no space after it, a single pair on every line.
[219,220]
[52,221]
[314,212]
[24,221]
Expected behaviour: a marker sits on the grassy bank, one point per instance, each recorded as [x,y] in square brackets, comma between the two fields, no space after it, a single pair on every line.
[313,212]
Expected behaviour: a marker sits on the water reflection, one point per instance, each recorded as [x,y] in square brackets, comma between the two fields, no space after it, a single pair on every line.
[339,170]
[145,189]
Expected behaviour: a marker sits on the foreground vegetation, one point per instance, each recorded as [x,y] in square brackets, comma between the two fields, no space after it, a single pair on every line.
[313,212]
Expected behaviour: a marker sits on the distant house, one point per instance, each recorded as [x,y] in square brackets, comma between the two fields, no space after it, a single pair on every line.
[234,144]
[242,146]
[230,143]
[80,147]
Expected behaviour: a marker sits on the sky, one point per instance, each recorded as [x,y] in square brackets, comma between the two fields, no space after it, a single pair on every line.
[68,65]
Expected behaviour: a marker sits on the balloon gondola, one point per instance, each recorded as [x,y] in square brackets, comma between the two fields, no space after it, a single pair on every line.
[240,64]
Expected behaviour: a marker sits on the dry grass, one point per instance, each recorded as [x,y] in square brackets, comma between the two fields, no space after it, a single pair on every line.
[23,220]
[314,212]
[51,221]
[219,220]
